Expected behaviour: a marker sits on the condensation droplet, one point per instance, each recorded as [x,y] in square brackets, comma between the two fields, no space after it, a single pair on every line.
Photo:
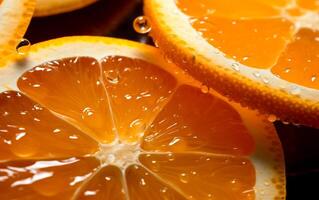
[87,112]
[287,70]
[23,47]
[113,76]
[204,89]
[256,74]
[272,118]
[235,66]
[155,166]
[265,80]
[142,182]
[163,190]
[171,157]
[313,78]
[142,25]
[295,91]
[183,177]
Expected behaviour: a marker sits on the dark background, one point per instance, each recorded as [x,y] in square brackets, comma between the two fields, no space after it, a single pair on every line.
[114,18]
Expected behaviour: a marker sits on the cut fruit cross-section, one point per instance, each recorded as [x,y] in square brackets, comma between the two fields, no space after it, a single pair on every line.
[102,118]
[262,54]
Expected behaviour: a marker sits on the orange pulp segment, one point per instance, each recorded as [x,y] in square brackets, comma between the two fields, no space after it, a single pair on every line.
[165,136]
[270,36]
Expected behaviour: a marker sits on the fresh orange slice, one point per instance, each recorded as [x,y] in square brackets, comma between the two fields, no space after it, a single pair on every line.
[15,16]
[263,54]
[103,118]
[52,7]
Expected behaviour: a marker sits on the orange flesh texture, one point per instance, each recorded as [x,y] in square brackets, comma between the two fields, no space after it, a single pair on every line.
[256,34]
[48,147]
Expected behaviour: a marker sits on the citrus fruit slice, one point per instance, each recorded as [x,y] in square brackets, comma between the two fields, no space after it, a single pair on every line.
[263,54]
[13,24]
[102,118]
[52,7]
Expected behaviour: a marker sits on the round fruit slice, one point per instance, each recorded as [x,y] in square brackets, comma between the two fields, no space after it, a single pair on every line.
[263,54]
[52,7]
[15,16]
[102,118]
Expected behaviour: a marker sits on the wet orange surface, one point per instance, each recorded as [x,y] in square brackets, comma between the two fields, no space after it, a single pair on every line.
[262,34]
[119,128]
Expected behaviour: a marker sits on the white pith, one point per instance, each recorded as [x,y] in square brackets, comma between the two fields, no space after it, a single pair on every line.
[119,154]
[122,154]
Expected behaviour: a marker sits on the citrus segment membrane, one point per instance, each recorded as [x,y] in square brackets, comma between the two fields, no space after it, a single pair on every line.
[201,124]
[44,179]
[138,90]
[28,130]
[201,176]
[143,184]
[300,60]
[107,183]
[73,87]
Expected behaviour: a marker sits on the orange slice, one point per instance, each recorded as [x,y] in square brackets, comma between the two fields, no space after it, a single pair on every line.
[15,16]
[103,118]
[262,54]
[52,7]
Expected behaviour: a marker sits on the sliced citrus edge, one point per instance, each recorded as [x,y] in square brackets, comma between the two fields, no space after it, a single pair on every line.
[52,7]
[268,158]
[15,17]
[180,42]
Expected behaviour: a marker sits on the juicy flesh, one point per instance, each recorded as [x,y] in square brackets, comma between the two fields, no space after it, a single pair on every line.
[119,128]
[282,36]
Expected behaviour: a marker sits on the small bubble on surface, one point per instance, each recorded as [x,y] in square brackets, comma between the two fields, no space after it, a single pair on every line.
[183,177]
[113,76]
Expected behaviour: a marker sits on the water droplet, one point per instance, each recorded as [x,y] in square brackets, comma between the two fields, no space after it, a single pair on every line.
[23,47]
[235,66]
[287,70]
[155,166]
[142,25]
[142,182]
[171,157]
[183,177]
[90,193]
[313,78]
[174,141]
[257,74]
[113,76]
[138,127]
[272,118]
[204,89]
[265,80]
[295,91]
[87,112]
[107,178]
[163,190]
